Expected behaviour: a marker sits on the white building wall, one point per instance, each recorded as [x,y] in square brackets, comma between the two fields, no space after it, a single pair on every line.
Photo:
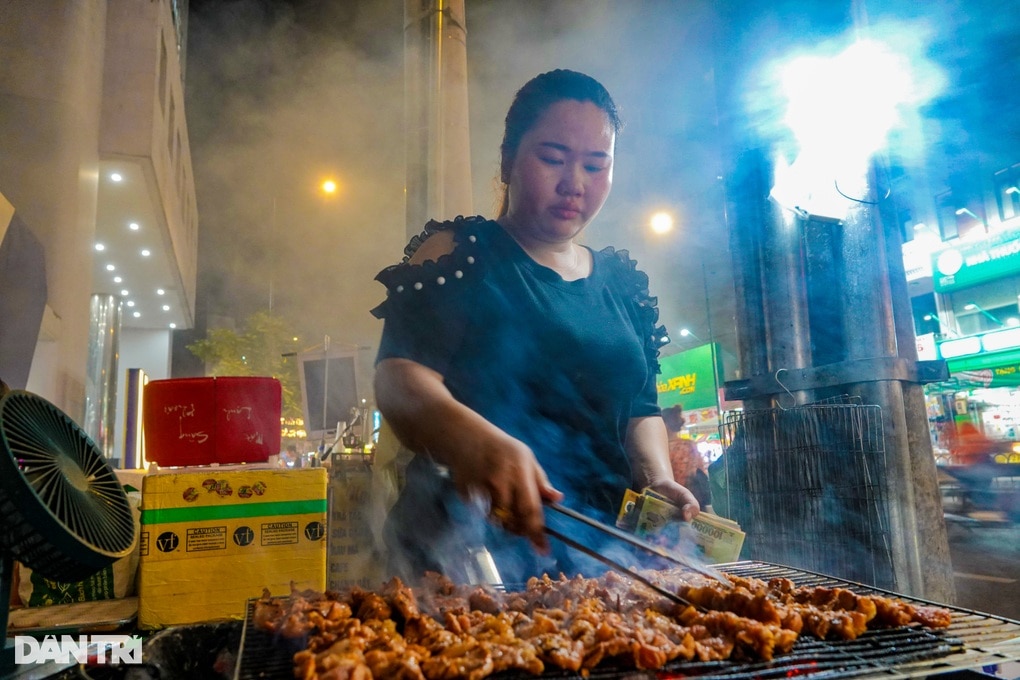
[83,82]
[50,89]
[148,350]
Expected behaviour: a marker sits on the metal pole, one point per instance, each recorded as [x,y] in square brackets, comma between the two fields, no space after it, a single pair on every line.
[101,385]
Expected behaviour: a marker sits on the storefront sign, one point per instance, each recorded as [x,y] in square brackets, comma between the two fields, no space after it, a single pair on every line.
[999,369]
[968,264]
[688,379]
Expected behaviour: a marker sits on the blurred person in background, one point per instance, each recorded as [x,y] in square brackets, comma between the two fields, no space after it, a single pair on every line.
[973,465]
[519,365]
[689,467]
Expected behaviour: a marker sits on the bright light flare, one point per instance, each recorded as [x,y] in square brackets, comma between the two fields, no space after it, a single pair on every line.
[847,104]
[329,186]
[840,108]
[661,223]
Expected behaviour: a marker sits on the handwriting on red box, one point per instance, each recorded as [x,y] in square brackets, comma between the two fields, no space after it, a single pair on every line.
[200,421]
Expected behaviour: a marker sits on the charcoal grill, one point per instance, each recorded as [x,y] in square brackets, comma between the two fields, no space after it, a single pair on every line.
[972,641]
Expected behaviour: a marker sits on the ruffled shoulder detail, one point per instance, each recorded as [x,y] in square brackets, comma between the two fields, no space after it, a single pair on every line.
[633,285]
[404,280]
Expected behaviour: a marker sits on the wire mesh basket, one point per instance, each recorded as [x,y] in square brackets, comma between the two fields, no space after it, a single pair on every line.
[807,486]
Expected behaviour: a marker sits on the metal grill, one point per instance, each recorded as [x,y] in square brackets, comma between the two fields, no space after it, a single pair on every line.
[811,480]
[973,640]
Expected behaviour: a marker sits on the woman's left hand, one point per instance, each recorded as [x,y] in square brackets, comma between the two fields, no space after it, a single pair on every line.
[649,456]
[679,495]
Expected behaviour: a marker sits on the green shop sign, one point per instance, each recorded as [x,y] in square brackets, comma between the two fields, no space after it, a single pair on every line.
[999,369]
[690,378]
[968,264]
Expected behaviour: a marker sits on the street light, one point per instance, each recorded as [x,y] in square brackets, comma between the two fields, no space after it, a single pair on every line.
[329,187]
[685,332]
[661,222]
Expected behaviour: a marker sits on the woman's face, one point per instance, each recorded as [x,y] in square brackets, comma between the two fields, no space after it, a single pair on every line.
[562,172]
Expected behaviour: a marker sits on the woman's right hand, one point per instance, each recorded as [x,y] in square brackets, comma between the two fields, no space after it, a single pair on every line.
[505,470]
[482,458]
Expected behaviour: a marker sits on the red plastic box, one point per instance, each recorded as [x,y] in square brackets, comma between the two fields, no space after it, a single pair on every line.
[200,421]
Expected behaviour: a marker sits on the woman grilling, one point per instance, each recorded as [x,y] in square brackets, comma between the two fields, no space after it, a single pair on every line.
[518,364]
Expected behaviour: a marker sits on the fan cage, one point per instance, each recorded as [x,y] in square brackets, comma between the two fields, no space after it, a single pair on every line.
[68,516]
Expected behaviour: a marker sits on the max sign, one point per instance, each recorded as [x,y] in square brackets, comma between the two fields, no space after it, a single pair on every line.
[67,649]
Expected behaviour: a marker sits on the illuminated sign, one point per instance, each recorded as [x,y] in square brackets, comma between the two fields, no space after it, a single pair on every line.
[968,264]
[687,378]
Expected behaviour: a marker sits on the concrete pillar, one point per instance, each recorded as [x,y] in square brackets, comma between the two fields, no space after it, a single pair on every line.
[438,152]
[50,101]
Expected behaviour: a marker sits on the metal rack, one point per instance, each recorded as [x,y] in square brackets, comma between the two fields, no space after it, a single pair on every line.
[812,477]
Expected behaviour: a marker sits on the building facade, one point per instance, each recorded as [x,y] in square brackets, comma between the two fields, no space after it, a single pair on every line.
[964,274]
[98,198]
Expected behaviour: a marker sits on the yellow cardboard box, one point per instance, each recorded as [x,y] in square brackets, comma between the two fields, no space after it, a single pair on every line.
[214,537]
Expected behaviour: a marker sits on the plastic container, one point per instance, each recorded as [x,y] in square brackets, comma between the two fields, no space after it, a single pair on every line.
[201,421]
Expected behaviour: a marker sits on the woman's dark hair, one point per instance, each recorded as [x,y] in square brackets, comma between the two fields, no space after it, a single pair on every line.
[532,100]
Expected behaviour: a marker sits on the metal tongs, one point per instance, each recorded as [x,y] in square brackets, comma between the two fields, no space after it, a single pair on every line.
[634,541]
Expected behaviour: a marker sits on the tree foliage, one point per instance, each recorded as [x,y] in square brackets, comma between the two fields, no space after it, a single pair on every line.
[264,347]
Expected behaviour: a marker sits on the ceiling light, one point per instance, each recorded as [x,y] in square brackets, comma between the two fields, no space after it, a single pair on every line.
[136,314]
[117,279]
[160,291]
[100,247]
[116,176]
[166,308]
[110,267]
[133,226]
[1012,190]
[130,303]
[173,325]
[124,292]
[146,252]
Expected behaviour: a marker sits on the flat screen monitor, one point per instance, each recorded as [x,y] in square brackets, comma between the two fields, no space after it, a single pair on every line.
[329,387]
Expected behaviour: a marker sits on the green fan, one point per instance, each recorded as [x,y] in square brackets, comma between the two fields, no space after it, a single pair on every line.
[66,515]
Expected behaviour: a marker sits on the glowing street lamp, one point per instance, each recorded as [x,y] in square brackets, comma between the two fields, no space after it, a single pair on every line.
[661,222]
[687,333]
[328,187]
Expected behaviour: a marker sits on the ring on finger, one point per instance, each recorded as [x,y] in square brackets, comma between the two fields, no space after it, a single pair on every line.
[501,513]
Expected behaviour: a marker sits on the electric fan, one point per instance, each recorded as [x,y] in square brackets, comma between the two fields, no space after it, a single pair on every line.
[64,512]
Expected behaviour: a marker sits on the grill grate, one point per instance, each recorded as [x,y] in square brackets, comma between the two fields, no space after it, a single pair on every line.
[972,640]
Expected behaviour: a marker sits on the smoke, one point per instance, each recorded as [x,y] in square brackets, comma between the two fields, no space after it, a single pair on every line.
[281,96]
[841,102]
